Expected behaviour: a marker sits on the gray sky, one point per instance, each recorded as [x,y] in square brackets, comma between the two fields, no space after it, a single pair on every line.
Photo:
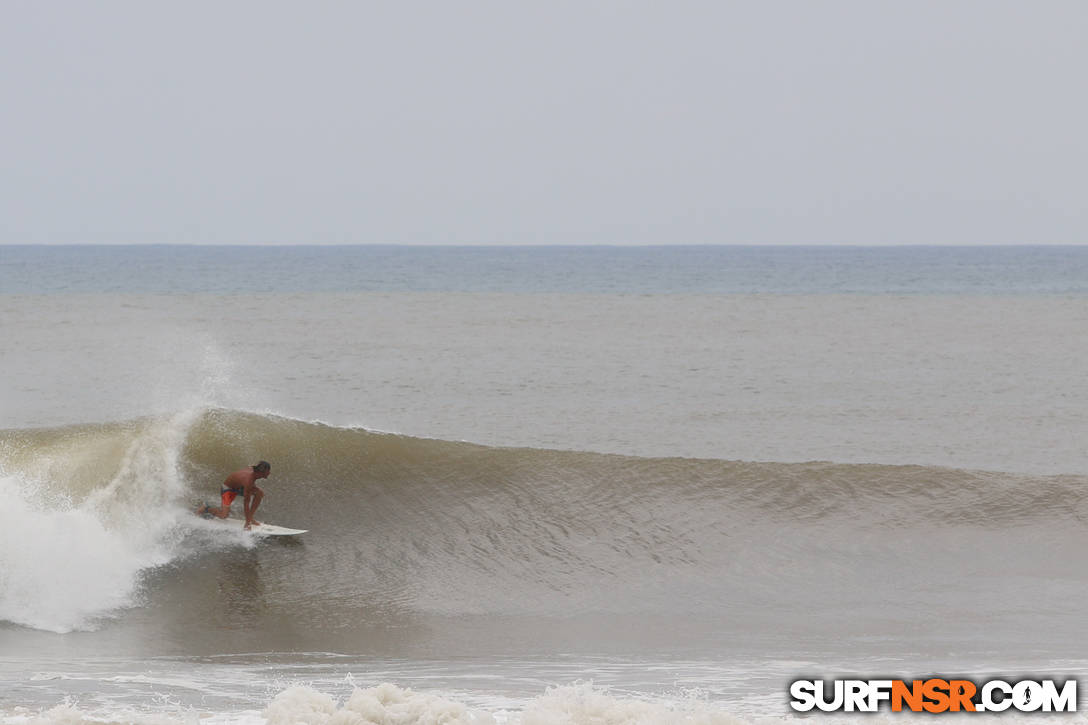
[862,122]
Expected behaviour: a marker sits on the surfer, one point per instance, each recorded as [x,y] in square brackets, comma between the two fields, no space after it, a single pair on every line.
[244,483]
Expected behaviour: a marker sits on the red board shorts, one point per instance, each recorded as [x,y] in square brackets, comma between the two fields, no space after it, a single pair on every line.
[228,495]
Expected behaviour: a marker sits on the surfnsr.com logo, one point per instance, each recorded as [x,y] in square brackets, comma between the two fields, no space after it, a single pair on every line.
[933,695]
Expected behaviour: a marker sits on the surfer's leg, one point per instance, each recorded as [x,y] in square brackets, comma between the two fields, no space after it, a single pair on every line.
[226,499]
[207,511]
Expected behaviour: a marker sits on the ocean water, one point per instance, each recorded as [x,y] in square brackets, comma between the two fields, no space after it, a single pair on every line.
[542,485]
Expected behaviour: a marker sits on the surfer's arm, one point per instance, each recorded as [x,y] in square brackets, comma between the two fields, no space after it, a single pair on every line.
[247,504]
[250,502]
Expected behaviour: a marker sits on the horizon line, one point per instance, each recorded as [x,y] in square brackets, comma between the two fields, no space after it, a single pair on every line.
[454,245]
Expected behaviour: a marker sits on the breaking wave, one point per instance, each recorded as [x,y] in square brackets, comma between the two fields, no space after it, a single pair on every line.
[95,520]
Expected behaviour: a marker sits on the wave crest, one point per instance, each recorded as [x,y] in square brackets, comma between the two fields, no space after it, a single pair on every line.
[413,526]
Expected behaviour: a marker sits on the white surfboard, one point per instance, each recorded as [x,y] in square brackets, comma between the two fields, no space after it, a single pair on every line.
[262,530]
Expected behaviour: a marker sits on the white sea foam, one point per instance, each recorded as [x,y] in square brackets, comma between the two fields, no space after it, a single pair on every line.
[67,561]
[70,715]
[58,567]
[385,704]
[389,704]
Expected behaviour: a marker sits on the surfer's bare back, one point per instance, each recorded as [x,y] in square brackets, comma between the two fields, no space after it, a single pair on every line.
[244,483]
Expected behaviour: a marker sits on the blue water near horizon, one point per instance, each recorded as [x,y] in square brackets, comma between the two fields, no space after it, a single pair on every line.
[679,269]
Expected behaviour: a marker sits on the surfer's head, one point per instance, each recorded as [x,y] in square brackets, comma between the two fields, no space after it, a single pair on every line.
[263,468]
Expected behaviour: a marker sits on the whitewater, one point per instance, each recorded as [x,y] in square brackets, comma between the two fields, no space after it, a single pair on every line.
[619,496]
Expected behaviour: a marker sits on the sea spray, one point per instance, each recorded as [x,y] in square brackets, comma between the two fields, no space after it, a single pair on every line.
[67,560]
[59,567]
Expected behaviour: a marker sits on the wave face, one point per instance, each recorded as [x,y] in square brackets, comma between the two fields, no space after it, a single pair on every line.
[95,526]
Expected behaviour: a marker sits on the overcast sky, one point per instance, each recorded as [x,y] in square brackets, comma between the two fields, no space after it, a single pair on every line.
[860,122]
